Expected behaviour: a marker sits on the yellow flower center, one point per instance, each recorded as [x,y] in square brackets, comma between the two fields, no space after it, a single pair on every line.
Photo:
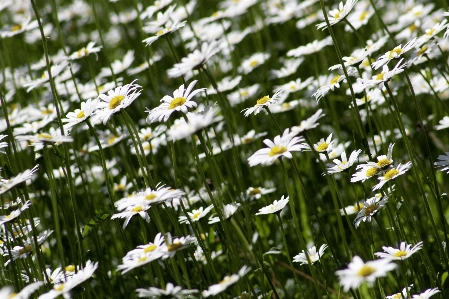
[247,140]
[150,196]
[365,99]
[174,246]
[263,100]
[277,150]
[160,32]
[80,114]
[44,136]
[70,268]
[225,280]
[254,63]
[196,215]
[397,296]
[383,162]
[47,111]
[149,248]
[380,76]
[400,253]
[120,187]
[143,259]
[13,295]
[286,105]
[59,287]
[100,88]
[422,50]
[115,101]
[337,15]
[390,174]
[430,32]
[255,191]
[176,102]
[395,52]
[137,209]
[335,80]
[359,207]
[82,52]
[322,147]
[147,136]
[412,28]
[25,249]
[371,209]
[363,15]
[244,93]
[16,27]
[366,271]
[112,140]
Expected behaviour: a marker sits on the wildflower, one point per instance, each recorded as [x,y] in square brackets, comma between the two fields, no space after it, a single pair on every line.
[194,60]
[363,11]
[404,251]
[426,294]
[64,287]
[443,163]
[6,184]
[257,192]
[16,213]
[195,215]
[366,171]
[265,101]
[404,294]
[243,94]
[370,207]
[226,282]
[25,293]
[352,209]
[324,145]
[228,211]
[392,174]
[227,83]
[310,48]
[359,272]
[169,291]
[3,144]
[176,244]
[309,123]
[290,67]
[383,77]
[55,70]
[312,255]
[276,206]
[323,90]
[80,115]
[118,66]
[395,53]
[252,62]
[338,14]
[344,163]
[84,51]
[164,31]
[281,146]
[28,246]
[143,254]
[116,100]
[25,25]
[130,211]
[180,101]
[444,123]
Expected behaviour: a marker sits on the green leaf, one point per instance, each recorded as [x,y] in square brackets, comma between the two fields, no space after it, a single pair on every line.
[92,223]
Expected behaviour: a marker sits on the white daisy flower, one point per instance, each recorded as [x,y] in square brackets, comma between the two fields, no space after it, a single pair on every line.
[7,184]
[352,209]
[395,53]
[14,214]
[309,123]
[383,77]
[333,83]
[196,215]
[169,291]
[252,62]
[324,145]
[281,146]
[338,14]
[226,282]
[426,294]
[443,163]
[276,206]
[84,51]
[118,66]
[404,294]
[444,123]
[79,115]
[130,211]
[25,293]
[173,245]
[310,48]
[344,163]
[164,31]
[55,70]
[312,255]
[265,101]
[392,174]
[405,251]
[228,211]
[359,272]
[370,207]
[257,192]
[181,101]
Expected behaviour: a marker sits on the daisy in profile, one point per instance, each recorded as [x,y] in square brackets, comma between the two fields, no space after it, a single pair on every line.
[164,31]
[309,123]
[370,207]
[84,51]
[281,146]
[195,215]
[180,101]
[176,244]
[25,293]
[395,53]
[392,174]
[352,209]
[338,14]
[194,60]
[6,184]
[343,163]
[257,192]
[116,100]
[443,162]
[14,214]
[444,123]
[79,115]
[252,62]
[426,294]
[310,48]
[333,83]
[404,294]
[405,251]
[228,211]
[276,206]
[265,101]
[169,291]
[383,77]
[359,272]
[312,255]
[324,146]
[226,282]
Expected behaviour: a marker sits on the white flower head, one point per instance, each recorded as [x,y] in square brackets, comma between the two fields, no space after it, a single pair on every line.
[79,115]
[443,162]
[343,163]
[338,14]
[405,251]
[265,101]
[226,282]
[392,174]
[276,206]
[370,207]
[312,255]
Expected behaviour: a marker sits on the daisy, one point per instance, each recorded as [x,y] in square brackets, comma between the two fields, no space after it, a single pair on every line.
[426,294]
[444,123]
[352,209]
[392,174]
[6,184]
[28,246]
[443,163]
[290,67]
[164,31]
[383,77]
[309,123]
[195,215]
[310,48]
[169,291]
[312,255]
[116,100]
[118,66]
[228,211]
[338,14]
[276,206]
[405,251]
[84,51]
[226,282]
[243,94]
[344,163]
[194,60]
[55,70]
[281,146]
[252,62]
[181,101]
[395,53]
[14,214]
[365,172]
[265,101]
[370,207]
[333,83]
[404,294]
[227,83]
[79,115]
[25,25]
[25,293]
[359,272]
[324,145]
[257,192]
[130,212]
[64,287]
[176,244]
[3,144]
